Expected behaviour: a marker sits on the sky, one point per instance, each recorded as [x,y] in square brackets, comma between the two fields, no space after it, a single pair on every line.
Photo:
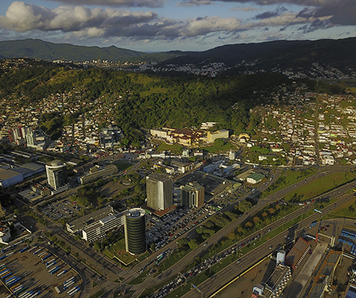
[187,25]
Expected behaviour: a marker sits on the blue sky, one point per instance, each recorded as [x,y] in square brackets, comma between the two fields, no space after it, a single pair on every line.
[162,25]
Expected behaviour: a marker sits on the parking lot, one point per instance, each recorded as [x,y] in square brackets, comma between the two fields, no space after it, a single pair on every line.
[169,227]
[35,270]
[61,209]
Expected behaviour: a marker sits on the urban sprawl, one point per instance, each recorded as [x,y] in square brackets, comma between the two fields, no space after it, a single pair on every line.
[189,212]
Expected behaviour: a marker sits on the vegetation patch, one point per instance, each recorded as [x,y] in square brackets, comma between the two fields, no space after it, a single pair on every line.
[288,178]
[348,210]
[320,186]
[176,149]
[98,294]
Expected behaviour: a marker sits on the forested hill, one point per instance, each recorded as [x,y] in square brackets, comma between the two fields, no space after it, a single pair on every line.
[147,101]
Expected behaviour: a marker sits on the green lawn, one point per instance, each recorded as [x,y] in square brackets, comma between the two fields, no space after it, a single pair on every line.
[122,165]
[320,186]
[118,250]
[216,149]
[176,149]
[289,177]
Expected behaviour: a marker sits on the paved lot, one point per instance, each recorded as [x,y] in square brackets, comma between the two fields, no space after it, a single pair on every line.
[34,274]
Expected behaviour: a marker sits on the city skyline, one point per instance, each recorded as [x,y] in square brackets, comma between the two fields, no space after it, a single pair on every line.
[162,25]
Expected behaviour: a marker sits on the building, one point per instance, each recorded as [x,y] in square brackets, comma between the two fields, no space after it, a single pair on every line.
[9,177]
[110,136]
[37,139]
[56,174]
[350,291]
[192,195]
[135,231]
[219,134]
[297,253]
[5,234]
[324,279]
[255,178]
[98,229]
[275,283]
[97,173]
[159,189]
[80,224]
[30,196]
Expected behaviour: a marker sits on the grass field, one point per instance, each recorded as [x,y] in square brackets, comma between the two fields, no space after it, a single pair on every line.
[320,186]
[289,177]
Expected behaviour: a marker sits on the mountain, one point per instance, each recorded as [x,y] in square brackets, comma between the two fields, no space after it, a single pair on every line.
[39,49]
[312,58]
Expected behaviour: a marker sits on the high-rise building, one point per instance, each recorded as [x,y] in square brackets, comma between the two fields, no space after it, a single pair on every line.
[135,231]
[159,191]
[56,174]
[192,195]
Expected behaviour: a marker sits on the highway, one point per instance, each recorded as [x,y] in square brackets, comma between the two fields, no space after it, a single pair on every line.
[190,257]
[222,277]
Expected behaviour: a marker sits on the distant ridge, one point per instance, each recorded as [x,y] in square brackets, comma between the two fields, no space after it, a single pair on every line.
[309,57]
[39,49]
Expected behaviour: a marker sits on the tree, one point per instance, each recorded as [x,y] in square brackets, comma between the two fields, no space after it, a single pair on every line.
[271,211]
[231,236]
[249,225]
[245,206]
[193,243]
[256,219]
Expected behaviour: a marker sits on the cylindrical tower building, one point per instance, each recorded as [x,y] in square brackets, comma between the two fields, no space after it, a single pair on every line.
[135,231]
[56,174]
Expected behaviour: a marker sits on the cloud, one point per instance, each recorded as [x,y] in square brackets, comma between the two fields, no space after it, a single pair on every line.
[116,3]
[112,23]
[245,9]
[270,14]
[23,17]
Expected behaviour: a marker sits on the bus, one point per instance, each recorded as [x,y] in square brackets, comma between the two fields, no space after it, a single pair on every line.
[37,251]
[55,270]
[61,273]
[46,256]
[24,249]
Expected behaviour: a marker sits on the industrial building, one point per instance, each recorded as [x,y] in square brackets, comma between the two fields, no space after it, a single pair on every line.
[213,185]
[275,284]
[159,191]
[5,234]
[9,177]
[297,253]
[97,173]
[135,231]
[323,280]
[57,174]
[192,195]
[255,178]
